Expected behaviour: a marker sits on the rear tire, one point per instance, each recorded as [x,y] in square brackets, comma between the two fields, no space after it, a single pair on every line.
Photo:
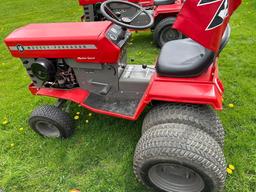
[199,116]
[50,121]
[163,32]
[176,157]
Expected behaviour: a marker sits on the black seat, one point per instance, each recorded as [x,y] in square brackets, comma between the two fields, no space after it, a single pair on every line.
[186,58]
[163,2]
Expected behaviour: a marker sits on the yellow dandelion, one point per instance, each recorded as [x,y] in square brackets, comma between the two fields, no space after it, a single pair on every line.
[5,121]
[86,121]
[90,114]
[12,144]
[78,113]
[74,190]
[76,117]
[232,167]
[21,129]
[229,171]
[231,105]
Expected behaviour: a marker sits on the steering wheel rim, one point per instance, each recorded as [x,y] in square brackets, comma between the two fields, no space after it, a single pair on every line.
[121,21]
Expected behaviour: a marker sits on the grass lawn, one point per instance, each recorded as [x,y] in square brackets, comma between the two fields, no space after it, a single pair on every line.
[99,155]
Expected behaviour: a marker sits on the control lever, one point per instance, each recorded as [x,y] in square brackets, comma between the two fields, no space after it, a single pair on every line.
[144,66]
[122,36]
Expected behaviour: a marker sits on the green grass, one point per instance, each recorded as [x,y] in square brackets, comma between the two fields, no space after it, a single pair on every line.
[99,156]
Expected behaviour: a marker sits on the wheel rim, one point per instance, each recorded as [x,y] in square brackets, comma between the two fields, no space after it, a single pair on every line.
[47,129]
[169,35]
[175,178]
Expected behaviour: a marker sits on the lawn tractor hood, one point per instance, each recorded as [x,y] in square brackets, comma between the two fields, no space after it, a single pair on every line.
[83,42]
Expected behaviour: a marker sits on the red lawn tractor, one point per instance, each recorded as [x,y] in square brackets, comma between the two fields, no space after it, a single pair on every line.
[181,147]
[163,11]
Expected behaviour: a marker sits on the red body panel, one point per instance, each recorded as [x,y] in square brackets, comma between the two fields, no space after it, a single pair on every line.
[167,9]
[208,19]
[204,89]
[51,41]
[190,90]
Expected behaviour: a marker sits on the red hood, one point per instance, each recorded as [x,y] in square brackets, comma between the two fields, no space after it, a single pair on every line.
[45,33]
[86,40]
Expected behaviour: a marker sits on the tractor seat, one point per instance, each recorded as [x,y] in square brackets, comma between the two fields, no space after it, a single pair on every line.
[186,58]
[163,2]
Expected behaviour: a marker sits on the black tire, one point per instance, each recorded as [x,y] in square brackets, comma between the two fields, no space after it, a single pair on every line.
[50,121]
[176,157]
[164,33]
[202,117]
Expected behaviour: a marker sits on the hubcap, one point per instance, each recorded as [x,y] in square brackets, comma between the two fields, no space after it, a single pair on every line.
[175,178]
[169,35]
[47,129]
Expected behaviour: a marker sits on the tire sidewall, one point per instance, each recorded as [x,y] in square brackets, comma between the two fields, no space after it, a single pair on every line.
[160,34]
[163,24]
[33,120]
[208,182]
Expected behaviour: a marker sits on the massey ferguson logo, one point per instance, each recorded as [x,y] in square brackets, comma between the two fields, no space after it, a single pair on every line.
[20,48]
[220,15]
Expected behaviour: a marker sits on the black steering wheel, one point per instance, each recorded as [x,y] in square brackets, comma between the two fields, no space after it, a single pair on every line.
[126,14]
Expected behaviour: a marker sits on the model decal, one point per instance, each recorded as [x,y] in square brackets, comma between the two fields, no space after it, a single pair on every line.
[205,2]
[220,15]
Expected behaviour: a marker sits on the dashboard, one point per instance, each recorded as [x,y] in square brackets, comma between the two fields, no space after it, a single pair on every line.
[118,35]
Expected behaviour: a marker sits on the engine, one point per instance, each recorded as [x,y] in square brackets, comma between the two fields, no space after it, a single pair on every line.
[53,73]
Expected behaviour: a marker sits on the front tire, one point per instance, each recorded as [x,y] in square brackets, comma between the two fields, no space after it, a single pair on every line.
[50,121]
[163,32]
[176,157]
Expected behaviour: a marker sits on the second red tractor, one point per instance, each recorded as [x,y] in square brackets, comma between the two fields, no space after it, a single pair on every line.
[164,13]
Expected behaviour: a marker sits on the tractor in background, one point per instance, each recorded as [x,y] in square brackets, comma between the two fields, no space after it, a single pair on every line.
[164,13]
